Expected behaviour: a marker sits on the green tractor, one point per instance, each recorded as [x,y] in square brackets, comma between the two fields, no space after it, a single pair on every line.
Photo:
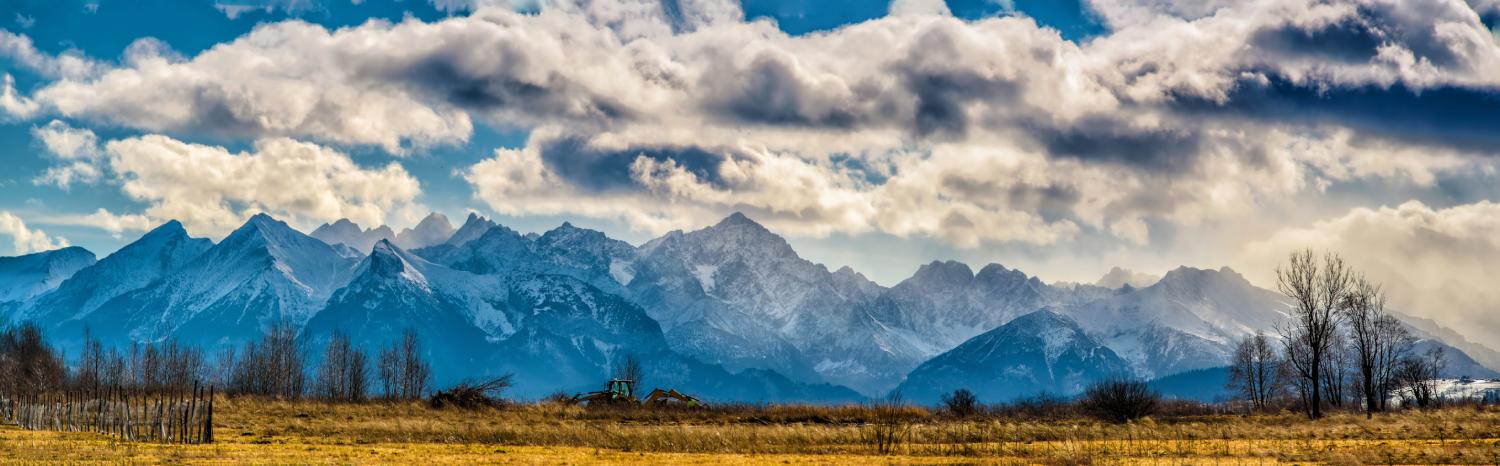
[616,392]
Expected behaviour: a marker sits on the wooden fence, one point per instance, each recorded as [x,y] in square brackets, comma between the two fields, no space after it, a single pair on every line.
[133,416]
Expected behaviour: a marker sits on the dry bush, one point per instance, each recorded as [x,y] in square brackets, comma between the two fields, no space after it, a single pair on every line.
[961,403]
[472,395]
[1119,400]
[891,425]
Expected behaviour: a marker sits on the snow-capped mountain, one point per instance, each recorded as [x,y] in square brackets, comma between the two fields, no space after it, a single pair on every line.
[1190,319]
[473,227]
[551,331]
[393,291]
[24,277]
[348,233]
[432,230]
[945,303]
[738,295]
[264,272]
[157,253]
[497,251]
[1038,352]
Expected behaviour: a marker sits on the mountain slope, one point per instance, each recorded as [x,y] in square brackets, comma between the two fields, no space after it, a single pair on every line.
[157,253]
[264,272]
[1190,319]
[738,295]
[349,234]
[474,226]
[432,230]
[24,277]
[393,292]
[552,331]
[1039,352]
[945,303]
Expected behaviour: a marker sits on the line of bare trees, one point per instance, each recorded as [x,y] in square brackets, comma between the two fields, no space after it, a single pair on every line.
[1340,347]
[276,365]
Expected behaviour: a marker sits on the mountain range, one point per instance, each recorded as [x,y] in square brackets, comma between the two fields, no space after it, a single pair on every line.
[730,312]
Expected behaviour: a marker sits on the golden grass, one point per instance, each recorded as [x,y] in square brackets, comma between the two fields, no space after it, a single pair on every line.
[266,432]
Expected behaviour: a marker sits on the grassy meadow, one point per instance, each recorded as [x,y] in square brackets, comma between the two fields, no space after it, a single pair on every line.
[251,431]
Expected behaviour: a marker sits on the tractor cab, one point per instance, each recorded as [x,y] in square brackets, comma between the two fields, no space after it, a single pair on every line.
[621,388]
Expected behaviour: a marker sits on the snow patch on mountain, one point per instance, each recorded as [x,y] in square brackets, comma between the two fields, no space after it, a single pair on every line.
[24,277]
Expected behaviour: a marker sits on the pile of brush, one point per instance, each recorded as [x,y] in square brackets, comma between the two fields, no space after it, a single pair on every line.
[472,395]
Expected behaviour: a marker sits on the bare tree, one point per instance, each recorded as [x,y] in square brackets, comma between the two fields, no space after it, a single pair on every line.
[91,364]
[402,372]
[628,367]
[1317,292]
[1418,376]
[28,365]
[1335,371]
[272,366]
[1256,371]
[342,376]
[115,372]
[1377,342]
[1395,345]
[181,366]
[224,364]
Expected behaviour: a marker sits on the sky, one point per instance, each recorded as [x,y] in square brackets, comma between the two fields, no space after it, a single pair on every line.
[1063,138]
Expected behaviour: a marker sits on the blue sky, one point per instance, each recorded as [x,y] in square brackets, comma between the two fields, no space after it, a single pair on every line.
[1059,137]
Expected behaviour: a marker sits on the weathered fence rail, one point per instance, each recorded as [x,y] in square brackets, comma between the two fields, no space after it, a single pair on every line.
[134,416]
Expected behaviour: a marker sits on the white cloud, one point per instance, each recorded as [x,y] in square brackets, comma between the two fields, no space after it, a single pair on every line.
[66,142]
[71,64]
[103,219]
[1436,263]
[15,105]
[919,7]
[212,190]
[76,151]
[26,240]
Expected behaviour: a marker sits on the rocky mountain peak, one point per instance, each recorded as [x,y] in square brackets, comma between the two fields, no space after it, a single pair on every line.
[738,219]
[433,229]
[996,273]
[943,272]
[387,261]
[474,227]
[1194,277]
[1119,278]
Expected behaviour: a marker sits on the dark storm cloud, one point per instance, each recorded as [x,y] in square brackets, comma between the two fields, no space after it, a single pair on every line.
[770,91]
[1466,119]
[1349,39]
[499,88]
[603,170]
[1100,138]
[1357,37]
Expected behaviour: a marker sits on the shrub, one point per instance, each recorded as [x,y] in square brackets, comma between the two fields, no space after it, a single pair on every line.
[961,403]
[889,425]
[472,395]
[1119,400]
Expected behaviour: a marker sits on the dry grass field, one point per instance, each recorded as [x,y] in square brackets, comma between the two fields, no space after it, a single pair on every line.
[267,432]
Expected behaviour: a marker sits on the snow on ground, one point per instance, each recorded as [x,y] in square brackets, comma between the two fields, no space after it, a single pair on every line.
[1463,389]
